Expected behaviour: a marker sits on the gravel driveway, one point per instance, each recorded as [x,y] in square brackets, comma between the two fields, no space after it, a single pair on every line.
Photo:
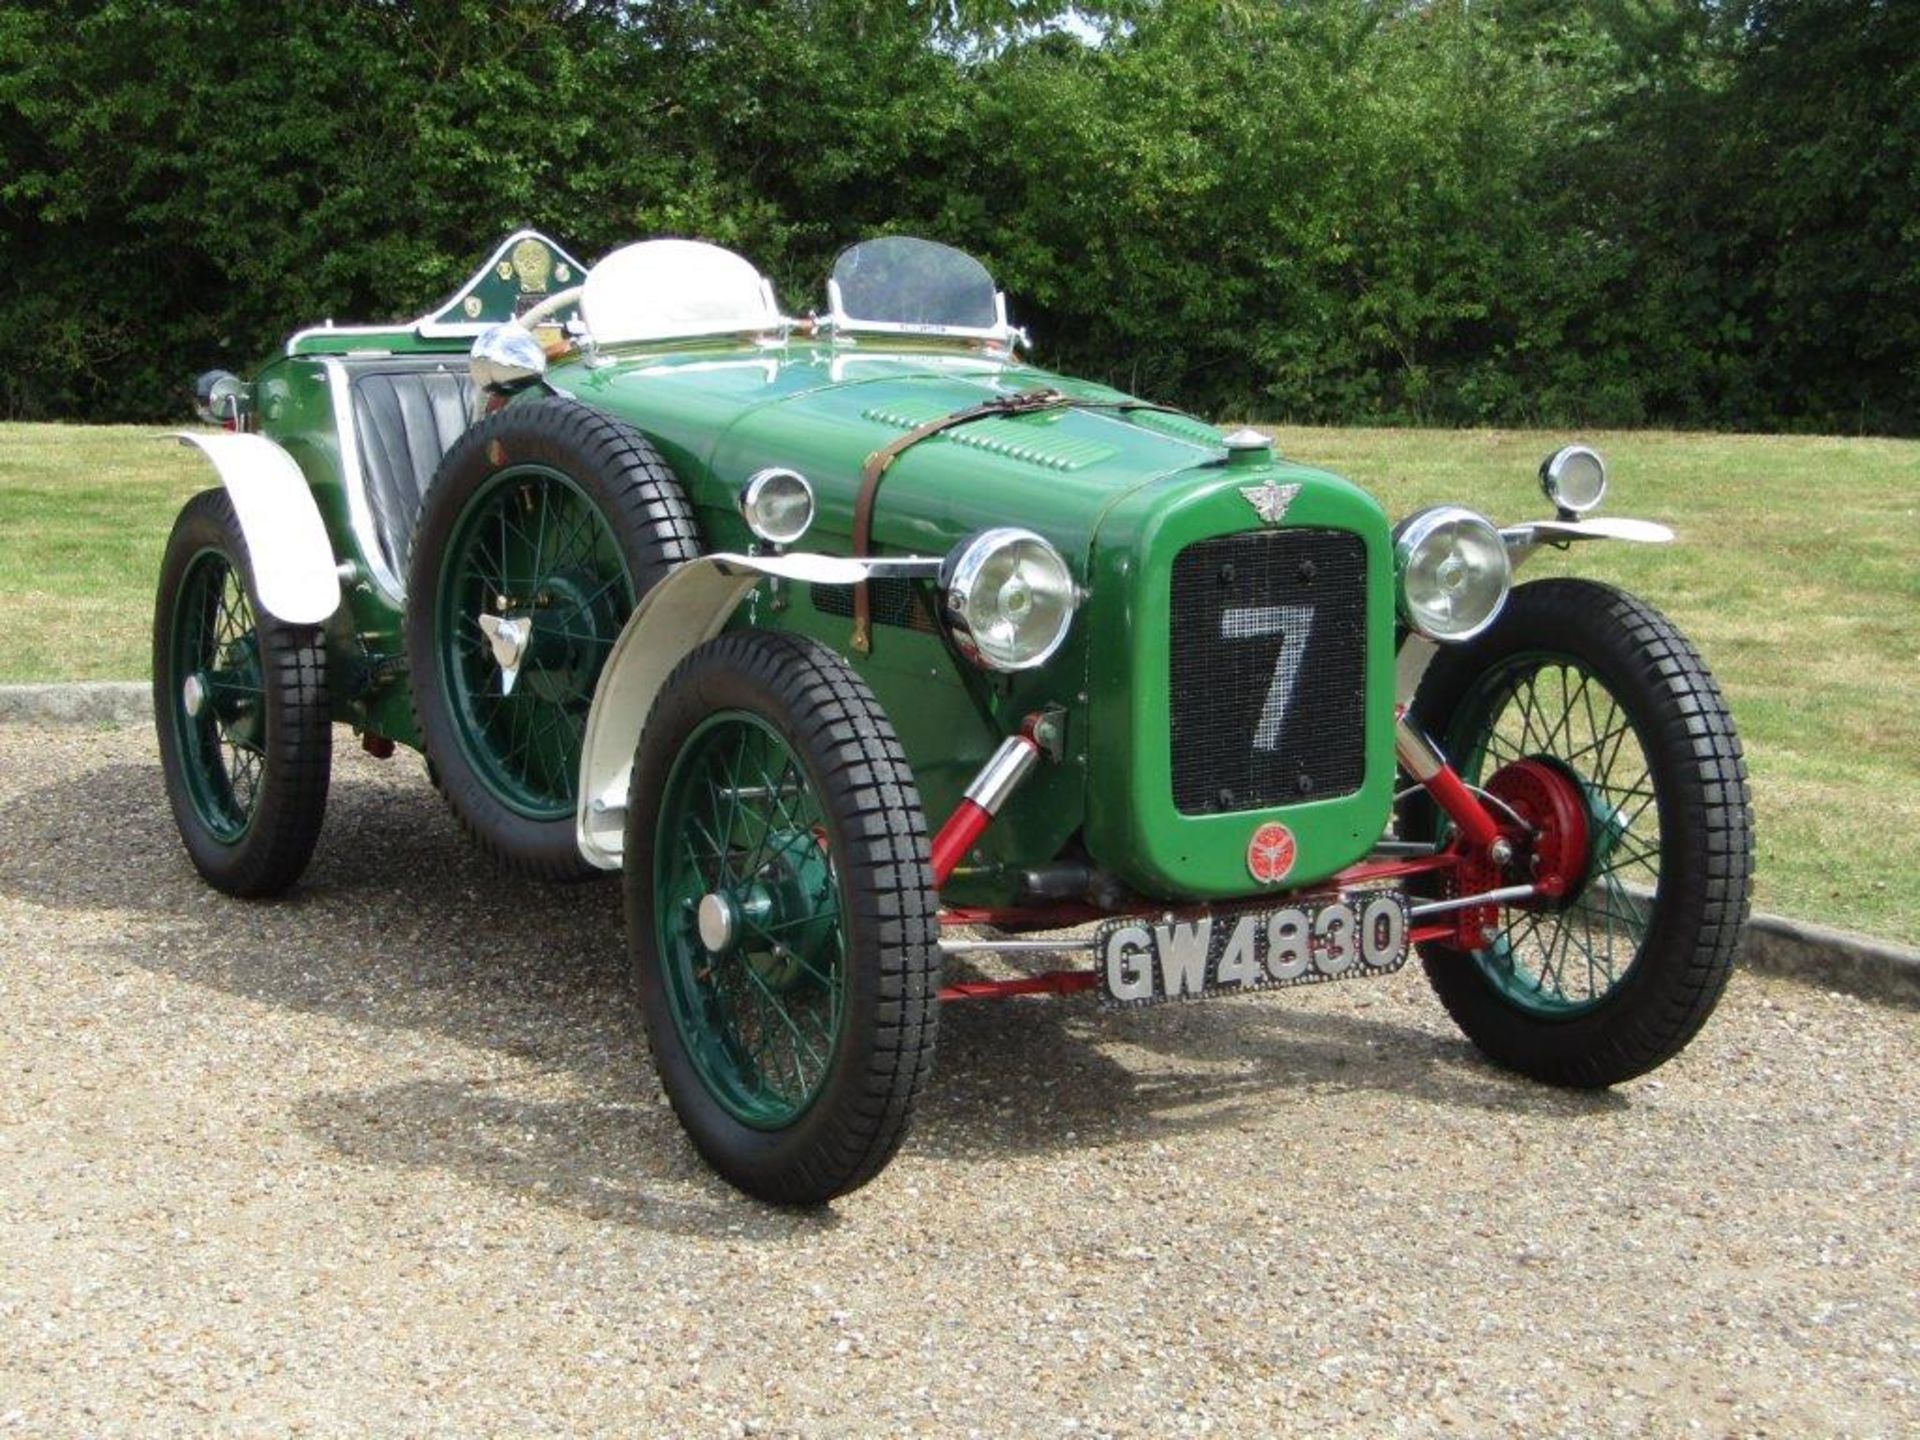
[389,1158]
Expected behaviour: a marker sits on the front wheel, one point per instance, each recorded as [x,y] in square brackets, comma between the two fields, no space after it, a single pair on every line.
[781,916]
[1589,714]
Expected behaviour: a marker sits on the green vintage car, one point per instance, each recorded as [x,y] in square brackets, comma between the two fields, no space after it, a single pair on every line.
[856,643]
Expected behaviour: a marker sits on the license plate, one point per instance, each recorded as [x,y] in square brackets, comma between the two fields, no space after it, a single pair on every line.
[1143,962]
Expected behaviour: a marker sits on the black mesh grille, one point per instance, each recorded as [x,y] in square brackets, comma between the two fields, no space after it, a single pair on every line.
[1269,633]
[894,601]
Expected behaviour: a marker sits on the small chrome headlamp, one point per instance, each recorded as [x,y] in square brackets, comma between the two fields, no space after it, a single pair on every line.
[1009,598]
[1454,572]
[777,505]
[1575,479]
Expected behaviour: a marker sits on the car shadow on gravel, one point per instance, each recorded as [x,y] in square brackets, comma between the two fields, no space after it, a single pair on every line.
[404,933]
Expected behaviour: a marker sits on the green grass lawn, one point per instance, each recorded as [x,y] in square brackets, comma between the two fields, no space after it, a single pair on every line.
[84,515]
[1797,574]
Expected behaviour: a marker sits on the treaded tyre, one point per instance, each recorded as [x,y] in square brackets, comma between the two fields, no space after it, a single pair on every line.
[781,916]
[543,527]
[240,703]
[1580,680]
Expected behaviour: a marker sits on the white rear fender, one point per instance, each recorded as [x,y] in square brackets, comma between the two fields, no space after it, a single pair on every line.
[672,620]
[293,565]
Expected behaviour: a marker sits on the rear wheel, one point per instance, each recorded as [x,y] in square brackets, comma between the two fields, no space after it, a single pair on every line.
[1587,713]
[543,528]
[240,703]
[781,916]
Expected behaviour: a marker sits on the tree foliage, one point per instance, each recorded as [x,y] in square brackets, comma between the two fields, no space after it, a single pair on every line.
[1676,211]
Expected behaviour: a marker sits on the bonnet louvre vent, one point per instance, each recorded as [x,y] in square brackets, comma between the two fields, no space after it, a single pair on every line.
[1027,439]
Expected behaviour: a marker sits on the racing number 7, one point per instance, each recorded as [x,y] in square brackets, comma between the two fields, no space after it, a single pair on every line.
[1294,625]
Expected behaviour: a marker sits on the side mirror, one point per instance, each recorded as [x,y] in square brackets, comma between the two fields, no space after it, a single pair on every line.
[506,357]
[216,398]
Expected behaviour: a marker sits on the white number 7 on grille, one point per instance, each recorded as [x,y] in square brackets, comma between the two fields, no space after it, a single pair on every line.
[1294,625]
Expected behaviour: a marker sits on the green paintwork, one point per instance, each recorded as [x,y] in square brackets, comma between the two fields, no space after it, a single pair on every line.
[1137,825]
[719,415]
[760,1017]
[366,662]
[1118,492]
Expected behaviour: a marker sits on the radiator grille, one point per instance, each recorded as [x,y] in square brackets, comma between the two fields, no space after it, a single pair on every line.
[1268,682]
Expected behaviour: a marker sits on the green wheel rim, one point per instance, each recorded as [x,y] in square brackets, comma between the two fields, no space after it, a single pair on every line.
[531,548]
[742,832]
[219,695]
[1562,960]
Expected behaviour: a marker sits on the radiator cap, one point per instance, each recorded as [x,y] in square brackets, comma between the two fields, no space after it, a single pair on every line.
[1247,446]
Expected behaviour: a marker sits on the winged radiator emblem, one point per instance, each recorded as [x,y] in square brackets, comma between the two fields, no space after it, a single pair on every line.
[1270,501]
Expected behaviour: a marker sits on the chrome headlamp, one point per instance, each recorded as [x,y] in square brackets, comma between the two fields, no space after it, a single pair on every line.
[1009,599]
[777,505]
[1575,479]
[1454,572]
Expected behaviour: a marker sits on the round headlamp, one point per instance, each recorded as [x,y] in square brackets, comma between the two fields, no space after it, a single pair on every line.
[1009,599]
[777,505]
[1575,479]
[1454,572]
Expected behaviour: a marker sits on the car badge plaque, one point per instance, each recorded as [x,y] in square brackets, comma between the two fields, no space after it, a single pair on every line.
[1271,853]
[1270,501]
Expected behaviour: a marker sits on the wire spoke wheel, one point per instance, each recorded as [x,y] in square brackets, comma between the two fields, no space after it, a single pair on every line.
[781,915]
[221,730]
[1589,715]
[534,550]
[1560,958]
[241,706]
[742,849]
[545,525]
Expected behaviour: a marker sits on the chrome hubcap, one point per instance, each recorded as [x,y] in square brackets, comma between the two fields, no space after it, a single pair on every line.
[193,695]
[718,922]
[507,638]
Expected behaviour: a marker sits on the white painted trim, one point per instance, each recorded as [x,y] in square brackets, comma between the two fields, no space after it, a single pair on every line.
[673,619]
[678,615]
[292,559]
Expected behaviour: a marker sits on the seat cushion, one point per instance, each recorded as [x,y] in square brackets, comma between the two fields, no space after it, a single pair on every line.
[406,420]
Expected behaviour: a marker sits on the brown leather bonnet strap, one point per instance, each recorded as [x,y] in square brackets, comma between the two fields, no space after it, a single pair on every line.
[1025,403]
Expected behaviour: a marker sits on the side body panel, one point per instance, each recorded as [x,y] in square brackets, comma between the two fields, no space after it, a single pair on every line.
[295,401]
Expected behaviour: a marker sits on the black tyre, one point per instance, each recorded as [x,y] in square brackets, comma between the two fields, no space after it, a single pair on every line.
[781,916]
[543,527]
[1598,695]
[240,703]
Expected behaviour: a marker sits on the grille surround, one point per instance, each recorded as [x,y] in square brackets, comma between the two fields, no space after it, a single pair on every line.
[1236,602]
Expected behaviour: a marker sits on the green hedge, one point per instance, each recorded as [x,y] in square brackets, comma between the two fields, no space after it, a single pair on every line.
[1695,212]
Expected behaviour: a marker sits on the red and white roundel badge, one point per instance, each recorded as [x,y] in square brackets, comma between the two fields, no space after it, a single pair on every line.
[1270,853]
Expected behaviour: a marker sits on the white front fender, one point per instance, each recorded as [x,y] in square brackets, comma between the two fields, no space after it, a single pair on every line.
[1417,652]
[293,565]
[672,620]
